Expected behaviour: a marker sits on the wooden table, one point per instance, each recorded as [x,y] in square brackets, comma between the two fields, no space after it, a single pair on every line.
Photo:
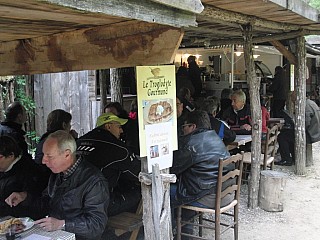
[275,120]
[55,235]
[240,140]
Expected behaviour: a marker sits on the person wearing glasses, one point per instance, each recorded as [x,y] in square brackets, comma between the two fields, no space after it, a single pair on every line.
[104,149]
[196,163]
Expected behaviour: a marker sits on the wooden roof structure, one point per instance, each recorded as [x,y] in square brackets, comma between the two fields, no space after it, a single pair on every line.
[221,20]
[40,36]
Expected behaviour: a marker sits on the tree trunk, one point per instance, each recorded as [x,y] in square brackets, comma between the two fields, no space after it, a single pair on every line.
[103,88]
[254,87]
[300,107]
[115,85]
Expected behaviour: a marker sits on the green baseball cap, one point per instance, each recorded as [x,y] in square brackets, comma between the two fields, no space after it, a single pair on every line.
[109,117]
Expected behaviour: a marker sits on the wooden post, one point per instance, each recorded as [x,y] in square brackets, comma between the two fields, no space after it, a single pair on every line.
[156,197]
[115,85]
[300,107]
[309,155]
[272,185]
[103,89]
[254,87]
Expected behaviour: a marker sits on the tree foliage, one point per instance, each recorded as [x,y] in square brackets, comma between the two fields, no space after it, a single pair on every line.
[315,4]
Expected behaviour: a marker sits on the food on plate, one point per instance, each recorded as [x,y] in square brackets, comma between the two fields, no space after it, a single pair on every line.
[16,223]
[160,112]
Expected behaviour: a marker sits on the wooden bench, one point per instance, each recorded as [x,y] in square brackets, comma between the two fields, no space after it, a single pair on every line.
[127,222]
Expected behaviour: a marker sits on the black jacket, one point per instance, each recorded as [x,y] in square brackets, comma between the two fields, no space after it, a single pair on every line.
[228,135]
[110,155]
[196,164]
[15,131]
[277,87]
[24,175]
[81,200]
[236,119]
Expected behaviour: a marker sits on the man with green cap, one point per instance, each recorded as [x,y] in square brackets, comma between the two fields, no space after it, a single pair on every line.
[104,149]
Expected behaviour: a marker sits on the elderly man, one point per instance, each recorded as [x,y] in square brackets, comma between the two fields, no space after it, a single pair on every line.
[104,149]
[77,196]
[12,125]
[238,116]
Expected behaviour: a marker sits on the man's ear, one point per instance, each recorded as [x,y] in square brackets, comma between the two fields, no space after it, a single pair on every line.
[67,152]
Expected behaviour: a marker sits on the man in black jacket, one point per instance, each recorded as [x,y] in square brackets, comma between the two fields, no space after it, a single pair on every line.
[238,116]
[77,195]
[196,162]
[17,174]
[12,125]
[104,149]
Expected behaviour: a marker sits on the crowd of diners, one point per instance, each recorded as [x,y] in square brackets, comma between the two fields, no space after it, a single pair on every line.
[75,183]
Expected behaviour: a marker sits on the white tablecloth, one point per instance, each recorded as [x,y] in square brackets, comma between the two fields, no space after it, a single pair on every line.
[56,235]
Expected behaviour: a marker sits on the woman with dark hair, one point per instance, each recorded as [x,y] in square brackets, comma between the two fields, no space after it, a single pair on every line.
[17,174]
[57,120]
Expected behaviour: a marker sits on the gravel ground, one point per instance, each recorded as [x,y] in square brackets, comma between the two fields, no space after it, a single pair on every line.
[299,219]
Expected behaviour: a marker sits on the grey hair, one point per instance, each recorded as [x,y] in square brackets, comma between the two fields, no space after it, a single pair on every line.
[240,95]
[64,140]
[210,105]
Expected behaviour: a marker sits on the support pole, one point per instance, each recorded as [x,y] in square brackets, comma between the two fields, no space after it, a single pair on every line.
[300,107]
[254,90]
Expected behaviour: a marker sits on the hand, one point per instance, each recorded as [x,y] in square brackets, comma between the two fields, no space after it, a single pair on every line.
[50,224]
[246,127]
[15,198]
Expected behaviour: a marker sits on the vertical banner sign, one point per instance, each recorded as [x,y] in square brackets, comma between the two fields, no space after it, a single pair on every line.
[156,90]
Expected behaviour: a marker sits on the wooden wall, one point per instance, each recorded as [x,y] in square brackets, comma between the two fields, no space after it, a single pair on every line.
[73,92]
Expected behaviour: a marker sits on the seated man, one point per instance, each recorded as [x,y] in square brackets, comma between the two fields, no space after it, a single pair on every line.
[286,138]
[17,174]
[238,116]
[196,162]
[16,116]
[77,196]
[104,149]
[221,128]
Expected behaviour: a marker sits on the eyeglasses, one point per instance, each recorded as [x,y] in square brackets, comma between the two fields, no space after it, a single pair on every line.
[186,125]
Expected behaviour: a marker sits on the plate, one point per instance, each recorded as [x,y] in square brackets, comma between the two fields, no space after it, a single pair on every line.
[28,222]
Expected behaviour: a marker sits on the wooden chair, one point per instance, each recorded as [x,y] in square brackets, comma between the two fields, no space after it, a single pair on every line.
[127,222]
[234,190]
[268,149]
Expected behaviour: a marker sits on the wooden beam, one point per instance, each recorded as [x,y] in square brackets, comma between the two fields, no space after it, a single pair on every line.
[119,45]
[229,16]
[194,6]
[144,10]
[262,39]
[285,52]
[299,7]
